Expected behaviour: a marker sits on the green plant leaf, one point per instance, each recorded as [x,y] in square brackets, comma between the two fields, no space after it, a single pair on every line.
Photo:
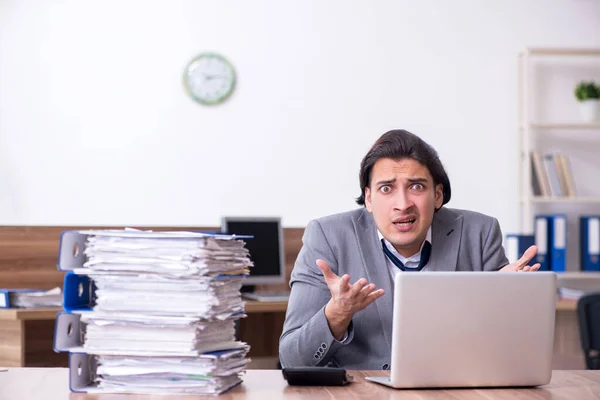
[587,90]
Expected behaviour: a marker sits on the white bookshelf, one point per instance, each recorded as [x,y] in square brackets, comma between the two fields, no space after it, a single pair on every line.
[562,51]
[578,275]
[564,126]
[555,199]
[527,128]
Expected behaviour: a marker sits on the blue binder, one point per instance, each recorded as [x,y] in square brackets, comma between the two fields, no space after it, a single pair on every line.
[517,244]
[558,254]
[589,242]
[553,231]
[79,292]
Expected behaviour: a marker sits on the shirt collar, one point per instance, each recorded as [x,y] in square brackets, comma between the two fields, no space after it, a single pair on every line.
[416,256]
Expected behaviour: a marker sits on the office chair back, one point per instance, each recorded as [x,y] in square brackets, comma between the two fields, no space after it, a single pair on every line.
[588,314]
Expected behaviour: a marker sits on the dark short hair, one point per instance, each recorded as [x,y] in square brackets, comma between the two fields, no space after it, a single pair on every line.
[399,144]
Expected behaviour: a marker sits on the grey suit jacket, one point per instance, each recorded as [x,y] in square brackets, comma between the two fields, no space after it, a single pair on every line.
[461,241]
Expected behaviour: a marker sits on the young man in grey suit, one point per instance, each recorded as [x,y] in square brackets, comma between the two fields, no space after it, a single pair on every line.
[402,226]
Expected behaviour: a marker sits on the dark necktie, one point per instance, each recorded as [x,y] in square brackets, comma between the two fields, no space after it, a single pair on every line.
[425,253]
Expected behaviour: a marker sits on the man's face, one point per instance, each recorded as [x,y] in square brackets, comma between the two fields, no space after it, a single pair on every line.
[402,198]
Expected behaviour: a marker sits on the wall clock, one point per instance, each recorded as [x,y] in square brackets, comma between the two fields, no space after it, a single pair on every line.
[209,78]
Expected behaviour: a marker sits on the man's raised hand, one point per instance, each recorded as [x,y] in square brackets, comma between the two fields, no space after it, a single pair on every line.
[346,299]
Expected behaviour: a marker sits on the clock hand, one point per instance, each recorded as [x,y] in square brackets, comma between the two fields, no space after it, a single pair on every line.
[210,77]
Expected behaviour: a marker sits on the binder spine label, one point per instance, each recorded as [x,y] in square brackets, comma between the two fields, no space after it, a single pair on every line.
[512,248]
[541,232]
[594,236]
[560,230]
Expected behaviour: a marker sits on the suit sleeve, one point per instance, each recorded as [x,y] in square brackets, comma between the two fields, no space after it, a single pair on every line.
[493,255]
[306,339]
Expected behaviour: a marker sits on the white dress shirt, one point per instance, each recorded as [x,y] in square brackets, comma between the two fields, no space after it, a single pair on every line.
[410,262]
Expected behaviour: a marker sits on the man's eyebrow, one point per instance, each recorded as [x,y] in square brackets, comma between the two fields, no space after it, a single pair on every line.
[417,180]
[386,182]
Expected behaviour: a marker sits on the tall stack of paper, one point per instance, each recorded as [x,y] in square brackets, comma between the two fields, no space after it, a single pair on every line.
[206,374]
[164,309]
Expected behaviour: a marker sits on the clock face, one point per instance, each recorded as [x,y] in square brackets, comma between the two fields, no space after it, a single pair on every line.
[209,78]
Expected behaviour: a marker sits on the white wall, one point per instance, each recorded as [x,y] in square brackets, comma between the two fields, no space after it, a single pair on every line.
[95,127]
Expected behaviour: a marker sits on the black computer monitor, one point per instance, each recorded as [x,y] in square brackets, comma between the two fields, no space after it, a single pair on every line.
[266,247]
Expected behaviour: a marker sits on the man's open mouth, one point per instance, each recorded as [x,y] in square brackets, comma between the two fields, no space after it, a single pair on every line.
[405,221]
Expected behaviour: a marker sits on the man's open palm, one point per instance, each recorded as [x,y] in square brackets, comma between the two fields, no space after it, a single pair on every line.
[345,297]
[521,265]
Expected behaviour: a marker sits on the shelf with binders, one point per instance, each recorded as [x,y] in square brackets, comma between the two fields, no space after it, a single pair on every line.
[558,198]
[551,133]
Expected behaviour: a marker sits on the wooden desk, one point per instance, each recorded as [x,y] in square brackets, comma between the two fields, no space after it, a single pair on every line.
[253,307]
[26,338]
[566,305]
[261,330]
[52,384]
[34,314]
[26,335]
[567,342]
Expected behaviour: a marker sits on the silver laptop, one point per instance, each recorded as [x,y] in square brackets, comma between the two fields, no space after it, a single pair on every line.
[472,329]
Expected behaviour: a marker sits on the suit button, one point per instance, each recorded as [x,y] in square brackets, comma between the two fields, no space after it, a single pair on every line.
[385,367]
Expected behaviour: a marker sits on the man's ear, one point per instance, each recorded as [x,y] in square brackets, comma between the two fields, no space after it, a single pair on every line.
[368,199]
[439,195]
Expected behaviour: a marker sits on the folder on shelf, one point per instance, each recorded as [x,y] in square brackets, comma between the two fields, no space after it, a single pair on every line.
[539,172]
[517,244]
[551,239]
[568,175]
[561,174]
[30,298]
[542,238]
[536,184]
[552,175]
[558,253]
[589,242]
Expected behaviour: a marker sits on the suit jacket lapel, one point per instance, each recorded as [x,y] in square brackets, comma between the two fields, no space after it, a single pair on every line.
[446,231]
[376,268]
